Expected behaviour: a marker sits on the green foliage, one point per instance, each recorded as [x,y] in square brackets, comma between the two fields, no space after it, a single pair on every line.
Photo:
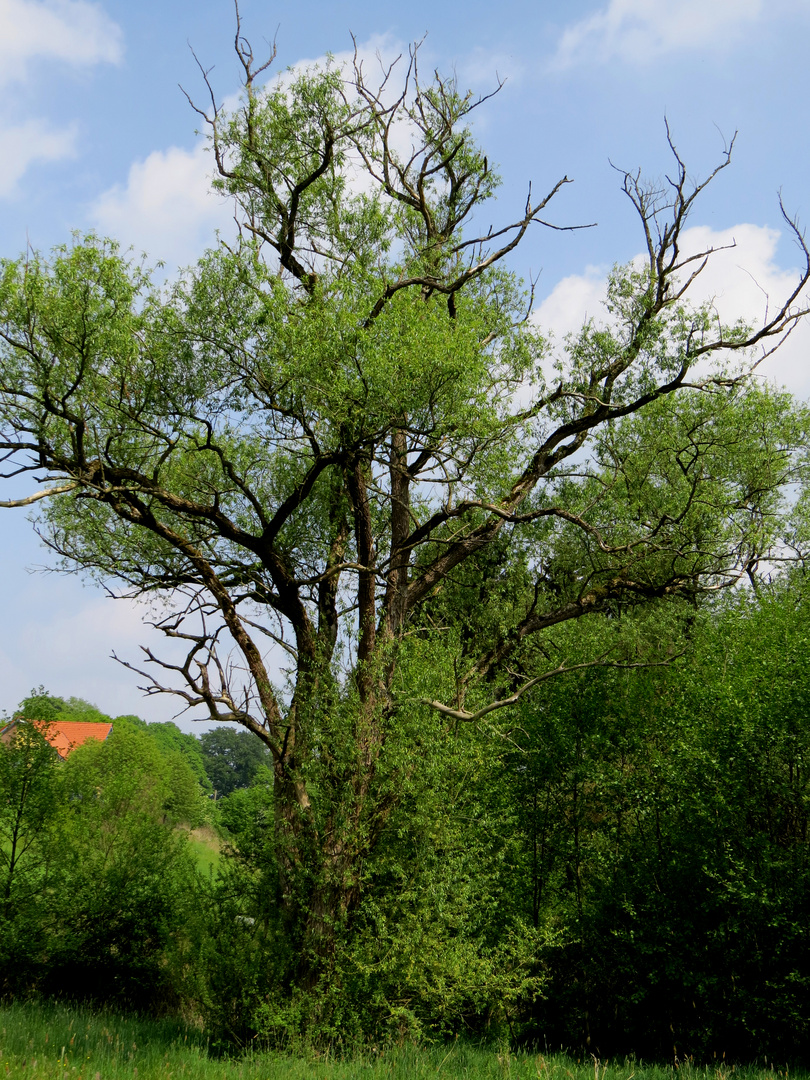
[246,816]
[438,946]
[630,867]
[178,762]
[41,705]
[124,879]
[30,800]
[231,758]
[664,821]
[97,881]
[172,740]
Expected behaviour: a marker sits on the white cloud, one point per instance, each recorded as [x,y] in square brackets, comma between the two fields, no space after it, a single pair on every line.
[374,55]
[639,31]
[28,142]
[166,208]
[744,282]
[74,31]
[39,32]
[572,302]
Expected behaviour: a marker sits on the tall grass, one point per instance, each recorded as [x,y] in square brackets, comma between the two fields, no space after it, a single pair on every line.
[205,847]
[49,1041]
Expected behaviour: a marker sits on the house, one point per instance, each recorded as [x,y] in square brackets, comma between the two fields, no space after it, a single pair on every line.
[63,735]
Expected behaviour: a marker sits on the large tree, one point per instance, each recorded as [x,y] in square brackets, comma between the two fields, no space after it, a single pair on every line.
[314,437]
[231,759]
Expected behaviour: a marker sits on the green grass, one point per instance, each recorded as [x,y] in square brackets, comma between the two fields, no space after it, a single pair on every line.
[49,1041]
[206,849]
[206,858]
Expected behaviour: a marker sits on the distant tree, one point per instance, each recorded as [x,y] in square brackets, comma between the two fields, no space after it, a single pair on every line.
[80,709]
[41,705]
[232,758]
[167,761]
[172,740]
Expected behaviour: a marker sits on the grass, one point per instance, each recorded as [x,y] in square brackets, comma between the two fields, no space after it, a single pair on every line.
[52,1040]
[206,848]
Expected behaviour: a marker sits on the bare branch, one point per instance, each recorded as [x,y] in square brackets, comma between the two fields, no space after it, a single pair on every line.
[48,493]
[466,717]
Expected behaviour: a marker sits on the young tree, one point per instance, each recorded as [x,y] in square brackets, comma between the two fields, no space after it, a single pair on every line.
[29,800]
[313,435]
[30,803]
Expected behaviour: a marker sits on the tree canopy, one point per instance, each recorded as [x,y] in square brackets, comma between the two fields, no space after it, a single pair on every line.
[366,496]
[231,758]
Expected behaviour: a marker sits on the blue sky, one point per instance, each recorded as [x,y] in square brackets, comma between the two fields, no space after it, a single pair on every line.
[96,134]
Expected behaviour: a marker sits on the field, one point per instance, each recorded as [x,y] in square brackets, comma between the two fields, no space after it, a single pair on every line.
[206,848]
[49,1041]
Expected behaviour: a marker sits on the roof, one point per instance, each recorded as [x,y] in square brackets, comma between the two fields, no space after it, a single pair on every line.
[64,735]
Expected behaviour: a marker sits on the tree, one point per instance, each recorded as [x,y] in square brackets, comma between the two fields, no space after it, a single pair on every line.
[231,758]
[29,799]
[311,438]
[41,705]
[173,741]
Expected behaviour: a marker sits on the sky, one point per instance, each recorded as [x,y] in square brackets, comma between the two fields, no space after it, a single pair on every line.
[97,135]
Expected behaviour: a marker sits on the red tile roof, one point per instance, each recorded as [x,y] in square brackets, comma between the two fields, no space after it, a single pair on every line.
[65,735]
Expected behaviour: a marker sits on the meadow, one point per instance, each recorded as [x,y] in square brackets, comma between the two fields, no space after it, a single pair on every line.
[39,1041]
